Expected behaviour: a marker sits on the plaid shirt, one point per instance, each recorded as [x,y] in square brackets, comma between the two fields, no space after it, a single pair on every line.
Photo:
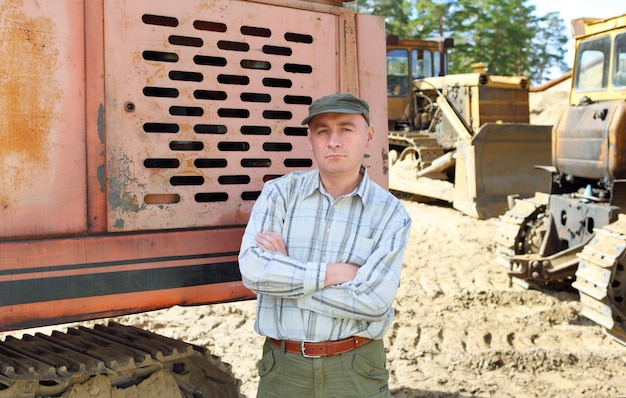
[368,227]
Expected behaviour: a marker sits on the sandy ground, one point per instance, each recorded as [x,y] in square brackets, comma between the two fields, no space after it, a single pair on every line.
[460,329]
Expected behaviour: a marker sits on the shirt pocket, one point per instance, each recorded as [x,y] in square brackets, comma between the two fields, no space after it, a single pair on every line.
[360,251]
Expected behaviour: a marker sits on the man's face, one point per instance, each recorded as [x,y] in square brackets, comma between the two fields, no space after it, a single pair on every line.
[338,142]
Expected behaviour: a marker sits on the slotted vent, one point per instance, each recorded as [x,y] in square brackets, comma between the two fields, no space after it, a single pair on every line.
[219,63]
[219,110]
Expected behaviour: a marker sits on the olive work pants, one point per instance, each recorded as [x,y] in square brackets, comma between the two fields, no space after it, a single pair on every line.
[358,373]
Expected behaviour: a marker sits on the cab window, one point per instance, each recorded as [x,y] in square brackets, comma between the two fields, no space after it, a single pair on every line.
[592,64]
[619,62]
[397,73]
[421,64]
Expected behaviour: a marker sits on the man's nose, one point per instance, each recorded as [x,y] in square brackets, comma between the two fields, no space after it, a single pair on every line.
[334,141]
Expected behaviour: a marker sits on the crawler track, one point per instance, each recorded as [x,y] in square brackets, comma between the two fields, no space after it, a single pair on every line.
[41,366]
[519,228]
[601,279]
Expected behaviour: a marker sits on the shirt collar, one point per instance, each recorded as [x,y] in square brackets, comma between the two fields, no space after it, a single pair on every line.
[316,184]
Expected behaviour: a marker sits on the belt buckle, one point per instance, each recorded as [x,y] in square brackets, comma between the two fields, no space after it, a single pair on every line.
[303,352]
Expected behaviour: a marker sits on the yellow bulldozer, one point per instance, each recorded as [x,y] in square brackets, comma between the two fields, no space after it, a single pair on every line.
[462,138]
[575,233]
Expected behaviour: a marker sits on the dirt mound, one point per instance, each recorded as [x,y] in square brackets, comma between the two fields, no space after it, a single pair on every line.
[160,384]
[546,106]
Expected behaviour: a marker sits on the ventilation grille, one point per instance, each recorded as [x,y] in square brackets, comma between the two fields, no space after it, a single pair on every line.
[210,107]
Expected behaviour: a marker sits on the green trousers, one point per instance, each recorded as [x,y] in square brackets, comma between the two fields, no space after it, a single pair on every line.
[358,373]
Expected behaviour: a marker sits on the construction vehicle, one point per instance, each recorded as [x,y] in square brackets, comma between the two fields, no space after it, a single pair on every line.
[462,138]
[135,137]
[574,235]
[409,60]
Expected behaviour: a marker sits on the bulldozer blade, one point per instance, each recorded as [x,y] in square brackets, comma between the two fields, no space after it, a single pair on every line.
[500,161]
[422,187]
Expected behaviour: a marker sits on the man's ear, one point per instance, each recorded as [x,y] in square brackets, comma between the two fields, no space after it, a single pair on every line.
[370,135]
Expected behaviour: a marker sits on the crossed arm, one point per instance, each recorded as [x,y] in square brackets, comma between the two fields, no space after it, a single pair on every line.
[336,273]
[337,289]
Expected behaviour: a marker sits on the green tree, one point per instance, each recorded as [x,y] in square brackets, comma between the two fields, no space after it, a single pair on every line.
[398,13]
[504,34]
[432,17]
[495,32]
[549,47]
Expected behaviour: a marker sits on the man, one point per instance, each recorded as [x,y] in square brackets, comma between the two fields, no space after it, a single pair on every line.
[323,252]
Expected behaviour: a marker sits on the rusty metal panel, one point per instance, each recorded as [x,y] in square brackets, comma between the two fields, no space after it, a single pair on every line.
[42,100]
[204,102]
[94,116]
[371,52]
[580,143]
[590,141]
[503,105]
[617,142]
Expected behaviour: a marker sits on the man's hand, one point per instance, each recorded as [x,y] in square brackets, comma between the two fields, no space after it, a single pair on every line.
[272,241]
[337,273]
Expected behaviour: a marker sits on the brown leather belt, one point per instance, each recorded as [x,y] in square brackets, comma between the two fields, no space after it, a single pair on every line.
[323,348]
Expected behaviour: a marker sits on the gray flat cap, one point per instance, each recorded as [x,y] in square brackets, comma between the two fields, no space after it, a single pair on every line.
[338,103]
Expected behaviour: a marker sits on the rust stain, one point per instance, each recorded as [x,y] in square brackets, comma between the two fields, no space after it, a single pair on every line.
[120,195]
[28,95]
